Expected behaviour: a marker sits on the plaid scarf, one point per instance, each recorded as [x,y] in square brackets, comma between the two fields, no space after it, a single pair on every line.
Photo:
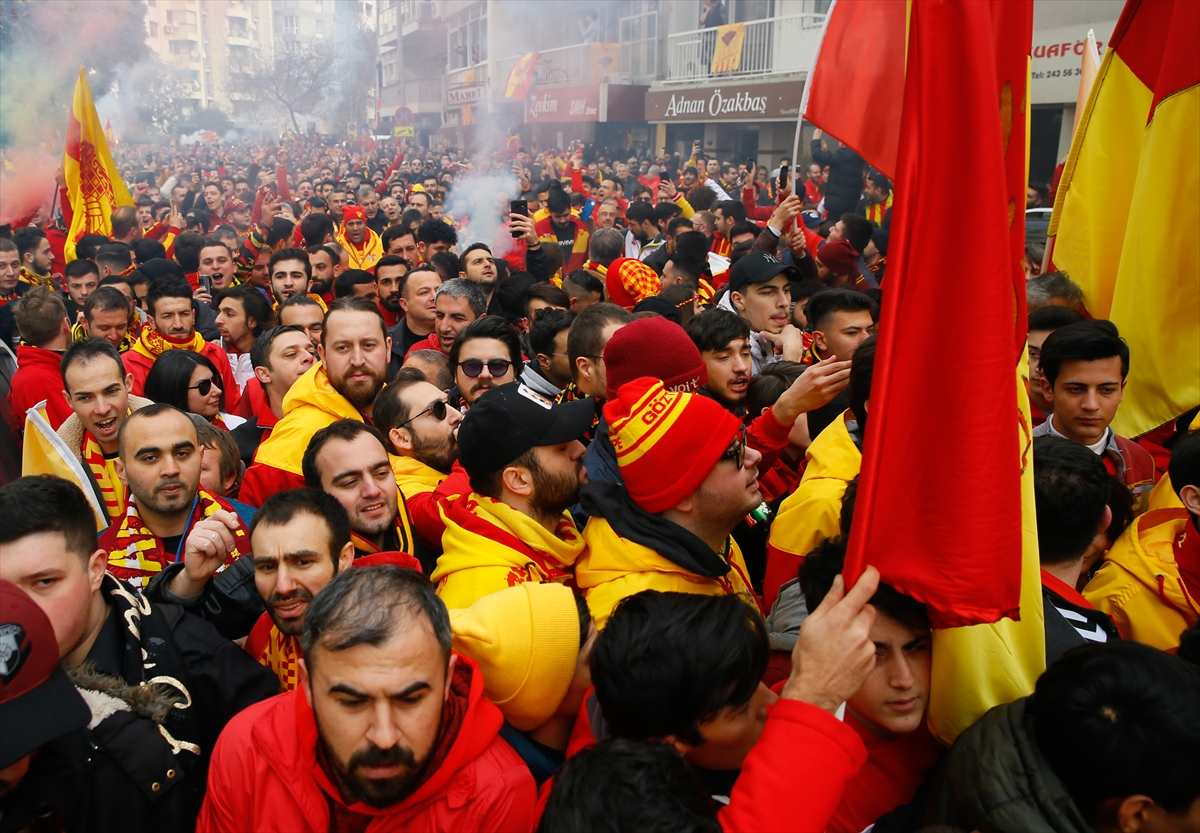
[136,553]
[152,344]
[111,488]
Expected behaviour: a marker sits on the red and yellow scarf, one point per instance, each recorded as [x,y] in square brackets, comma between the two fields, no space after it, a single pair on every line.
[271,649]
[32,278]
[404,536]
[876,211]
[137,553]
[111,487]
[152,344]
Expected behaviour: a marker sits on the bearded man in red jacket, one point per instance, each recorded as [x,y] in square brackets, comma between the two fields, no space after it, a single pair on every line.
[388,728]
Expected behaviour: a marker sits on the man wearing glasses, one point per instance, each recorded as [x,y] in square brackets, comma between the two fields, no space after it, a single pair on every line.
[485,355]
[688,480]
[421,427]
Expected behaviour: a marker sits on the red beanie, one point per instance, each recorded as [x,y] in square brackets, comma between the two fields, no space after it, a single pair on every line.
[354,212]
[653,347]
[666,443]
[629,280]
[839,257]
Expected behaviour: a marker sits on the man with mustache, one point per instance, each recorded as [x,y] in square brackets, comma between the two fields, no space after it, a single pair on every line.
[302,539]
[354,354]
[390,273]
[388,726]
[485,355]
[421,428]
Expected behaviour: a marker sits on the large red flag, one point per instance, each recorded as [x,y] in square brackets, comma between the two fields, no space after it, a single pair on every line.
[939,507]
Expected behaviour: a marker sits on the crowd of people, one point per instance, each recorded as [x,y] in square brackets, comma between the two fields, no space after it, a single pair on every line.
[512,492]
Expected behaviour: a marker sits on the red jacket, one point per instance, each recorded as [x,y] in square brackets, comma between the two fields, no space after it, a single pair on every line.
[38,377]
[264,775]
[430,342]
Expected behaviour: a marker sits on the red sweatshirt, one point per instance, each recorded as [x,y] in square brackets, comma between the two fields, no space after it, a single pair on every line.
[38,377]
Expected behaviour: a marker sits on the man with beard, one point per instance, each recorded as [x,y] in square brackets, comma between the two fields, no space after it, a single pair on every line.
[354,354]
[479,267]
[418,303]
[523,457]
[291,274]
[642,227]
[561,227]
[301,540]
[158,462]
[237,214]
[420,425]
[388,727]
[359,240]
[486,355]
[389,276]
[324,263]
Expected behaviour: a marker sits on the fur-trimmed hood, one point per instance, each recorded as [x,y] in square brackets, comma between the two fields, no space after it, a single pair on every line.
[106,695]
[71,431]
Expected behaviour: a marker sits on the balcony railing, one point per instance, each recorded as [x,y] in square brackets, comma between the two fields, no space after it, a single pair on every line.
[468,76]
[774,45]
[414,11]
[562,67]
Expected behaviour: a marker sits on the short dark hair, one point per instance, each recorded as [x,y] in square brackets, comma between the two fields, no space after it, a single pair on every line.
[557,201]
[393,260]
[588,328]
[146,249]
[87,246]
[640,212]
[395,233]
[213,243]
[714,328]
[436,231]
[281,507]
[667,662]
[187,250]
[362,607]
[743,227]
[1054,317]
[858,390]
[676,224]
[1071,489]
[260,350]
[731,208]
[769,384]
[857,229]
[1127,709]
[347,430]
[290,254]
[629,786]
[106,299]
[390,411]
[1184,467]
[79,267]
[446,264]
[825,563]
[691,268]
[353,304]
[584,282]
[316,227]
[490,326]
[1085,341]
[28,238]
[343,284]
[545,328]
[548,292]
[40,314]
[254,304]
[171,375]
[829,301]
[84,352]
[166,288]
[61,507]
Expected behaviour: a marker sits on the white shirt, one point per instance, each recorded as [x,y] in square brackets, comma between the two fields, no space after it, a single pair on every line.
[1096,447]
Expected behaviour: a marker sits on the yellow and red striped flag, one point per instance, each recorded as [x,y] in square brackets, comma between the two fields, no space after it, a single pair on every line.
[1128,199]
[521,77]
[94,185]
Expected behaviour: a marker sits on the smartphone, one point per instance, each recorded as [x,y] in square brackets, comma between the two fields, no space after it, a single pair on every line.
[784,170]
[518,207]
[205,283]
[751,165]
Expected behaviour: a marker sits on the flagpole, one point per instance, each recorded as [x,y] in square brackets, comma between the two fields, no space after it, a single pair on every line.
[804,95]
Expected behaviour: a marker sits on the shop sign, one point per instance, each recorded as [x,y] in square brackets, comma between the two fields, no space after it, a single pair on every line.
[727,102]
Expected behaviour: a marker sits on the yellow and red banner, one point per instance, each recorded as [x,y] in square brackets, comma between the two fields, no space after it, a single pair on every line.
[521,77]
[1127,201]
[94,185]
[727,53]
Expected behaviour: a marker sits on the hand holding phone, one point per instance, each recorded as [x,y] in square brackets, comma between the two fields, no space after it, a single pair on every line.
[518,207]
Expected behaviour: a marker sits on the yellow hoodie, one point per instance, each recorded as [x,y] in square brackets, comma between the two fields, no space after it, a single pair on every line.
[310,405]
[414,477]
[614,567]
[812,512]
[1139,584]
[488,546]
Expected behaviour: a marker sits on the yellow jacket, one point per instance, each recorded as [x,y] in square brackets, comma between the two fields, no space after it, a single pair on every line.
[614,567]
[1139,584]
[812,512]
[414,477]
[488,546]
[310,405]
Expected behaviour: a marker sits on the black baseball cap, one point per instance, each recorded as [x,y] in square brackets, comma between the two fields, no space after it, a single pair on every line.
[756,267]
[507,421]
[38,703]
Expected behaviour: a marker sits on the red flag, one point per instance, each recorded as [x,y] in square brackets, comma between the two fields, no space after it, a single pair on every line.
[939,501]
[857,84]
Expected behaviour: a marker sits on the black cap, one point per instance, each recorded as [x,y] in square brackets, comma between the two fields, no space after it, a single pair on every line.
[507,421]
[756,267]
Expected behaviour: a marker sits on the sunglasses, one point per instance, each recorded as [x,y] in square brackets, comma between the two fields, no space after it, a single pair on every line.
[737,452]
[203,386]
[438,409]
[496,367]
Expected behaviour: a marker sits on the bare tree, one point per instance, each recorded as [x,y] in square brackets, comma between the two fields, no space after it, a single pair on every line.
[295,82]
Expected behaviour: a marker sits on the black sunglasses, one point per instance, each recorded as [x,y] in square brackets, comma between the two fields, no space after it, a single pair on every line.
[473,367]
[438,409]
[203,386]
[737,452]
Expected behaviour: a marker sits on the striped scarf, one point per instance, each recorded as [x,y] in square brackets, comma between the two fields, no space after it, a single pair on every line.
[404,536]
[271,649]
[80,333]
[152,344]
[32,278]
[876,211]
[111,487]
[137,554]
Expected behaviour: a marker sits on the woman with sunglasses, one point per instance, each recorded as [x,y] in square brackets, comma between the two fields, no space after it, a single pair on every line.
[192,383]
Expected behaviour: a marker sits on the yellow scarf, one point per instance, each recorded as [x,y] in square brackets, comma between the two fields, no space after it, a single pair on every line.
[32,278]
[414,477]
[111,487]
[152,344]
[368,255]
[282,655]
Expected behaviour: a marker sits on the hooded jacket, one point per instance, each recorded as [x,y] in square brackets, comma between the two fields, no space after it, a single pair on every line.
[813,511]
[266,777]
[1139,584]
[38,378]
[488,546]
[310,405]
[630,550]
[996,779]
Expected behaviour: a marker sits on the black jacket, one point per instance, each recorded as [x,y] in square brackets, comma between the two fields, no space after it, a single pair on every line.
[229,601]
[845,184]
